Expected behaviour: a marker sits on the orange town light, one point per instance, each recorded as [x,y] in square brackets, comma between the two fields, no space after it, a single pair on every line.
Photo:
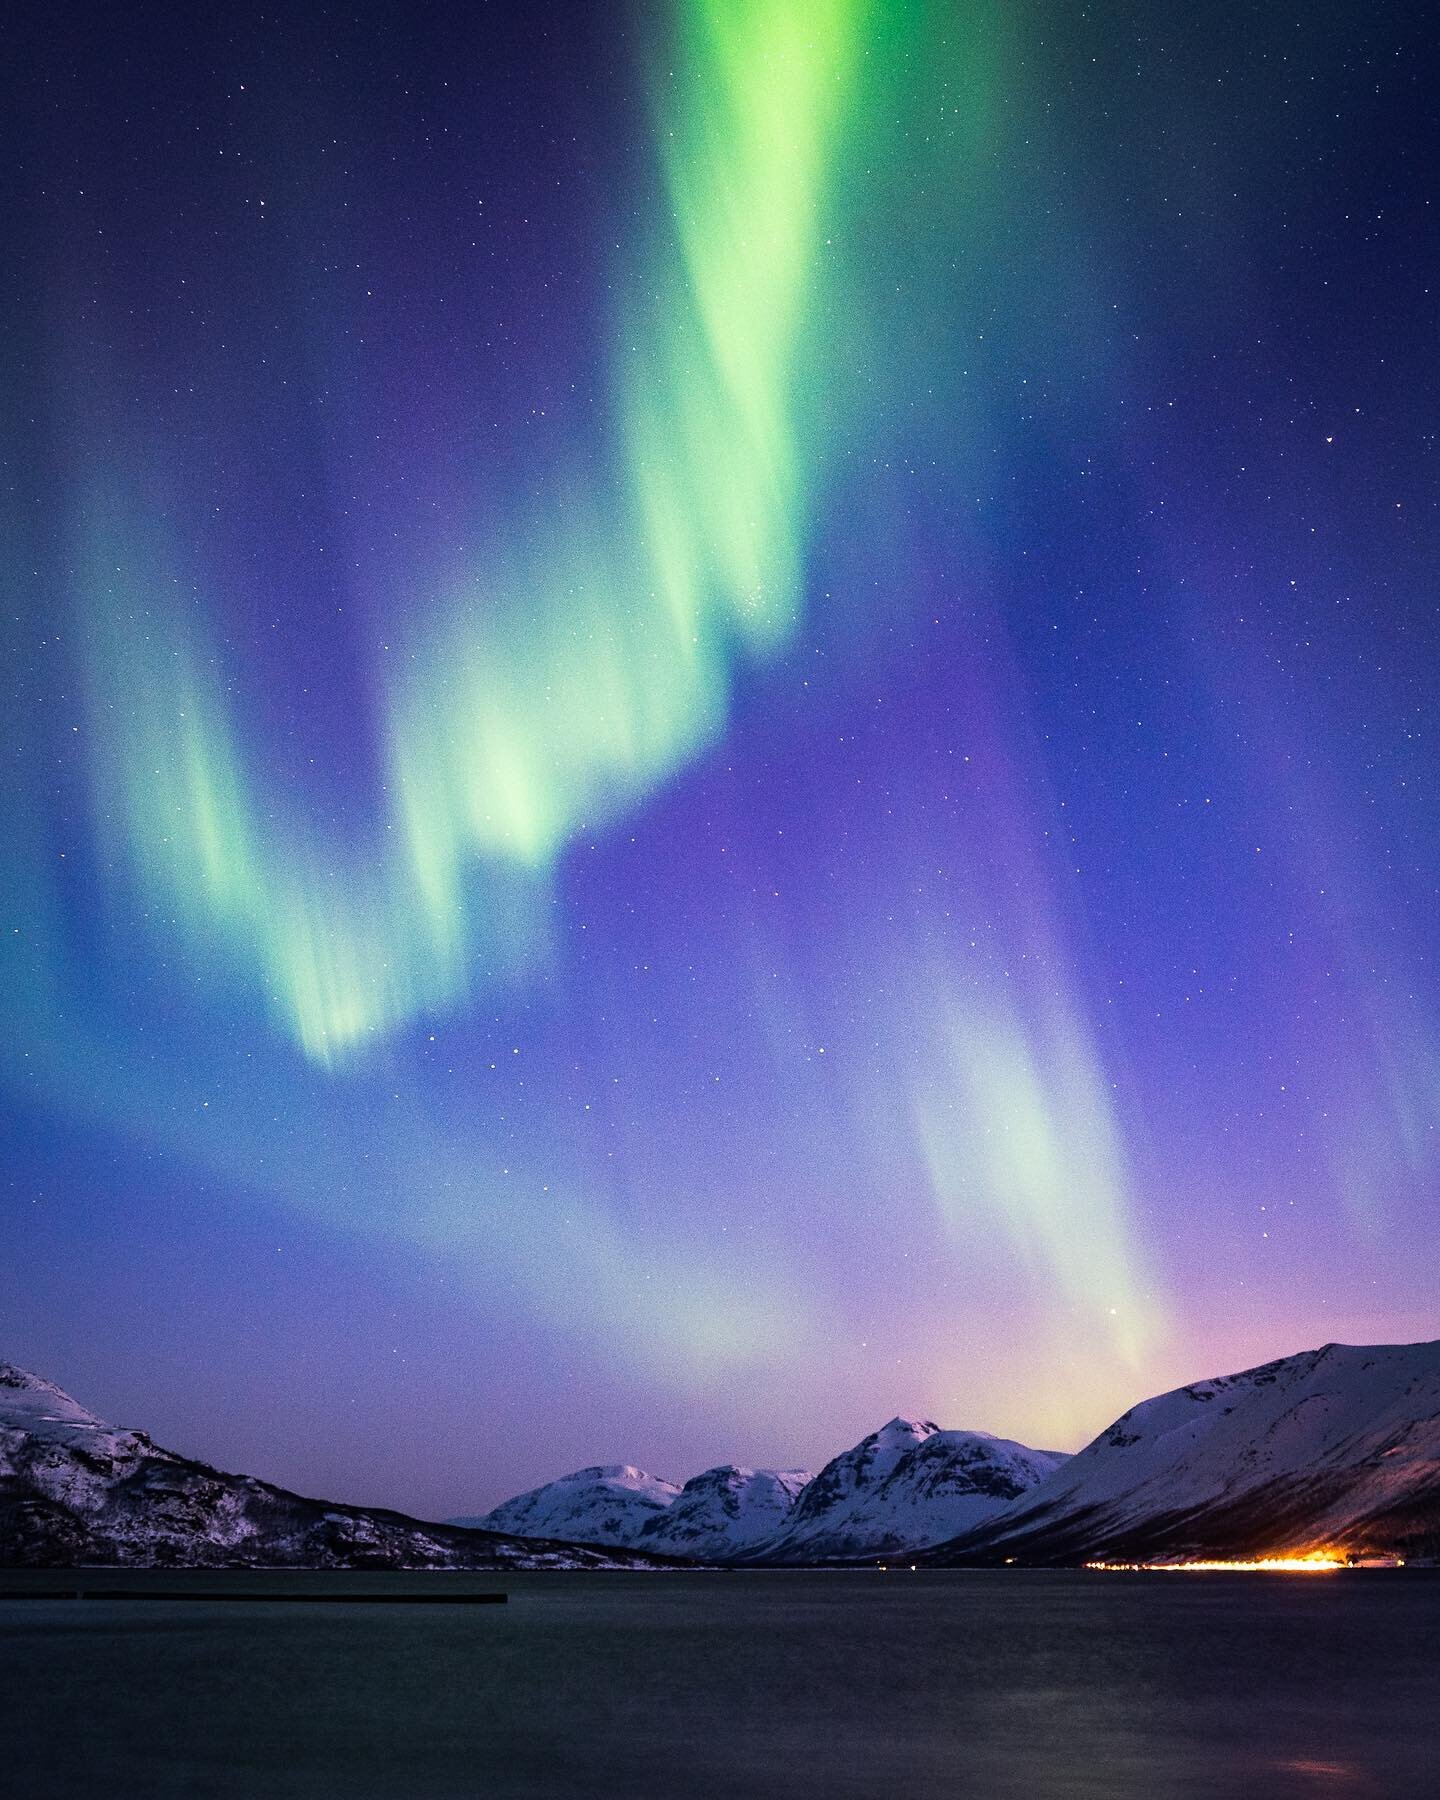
[1309,1562]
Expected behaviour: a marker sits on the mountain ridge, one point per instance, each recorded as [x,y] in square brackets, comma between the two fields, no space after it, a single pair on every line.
[1336,1448]
[906,1484]
[76,1490]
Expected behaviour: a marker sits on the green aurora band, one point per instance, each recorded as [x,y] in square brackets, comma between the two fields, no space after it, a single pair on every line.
[567,679]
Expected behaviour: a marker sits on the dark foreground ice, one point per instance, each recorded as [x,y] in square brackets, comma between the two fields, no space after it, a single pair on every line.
[1005,1683]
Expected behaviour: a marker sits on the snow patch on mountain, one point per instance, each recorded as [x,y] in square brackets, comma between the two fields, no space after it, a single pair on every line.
[611,1504]
[1337,1446]
[906,1486]
[75,1490]
[725,1511]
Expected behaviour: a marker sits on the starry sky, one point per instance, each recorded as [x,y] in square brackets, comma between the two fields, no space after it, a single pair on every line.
[718,720]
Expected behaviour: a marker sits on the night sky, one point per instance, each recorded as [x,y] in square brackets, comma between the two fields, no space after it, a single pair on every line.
[718,719]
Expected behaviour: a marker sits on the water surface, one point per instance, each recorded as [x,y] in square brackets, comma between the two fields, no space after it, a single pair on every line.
[1003,1683]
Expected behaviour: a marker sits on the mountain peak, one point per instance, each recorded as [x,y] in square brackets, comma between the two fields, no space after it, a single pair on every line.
[76,1491]
[1334,1446]
[25,1380]
[624,1473]
[30,1401]
[725,1511]
[607,1503]
[902,1430]
[910,1483]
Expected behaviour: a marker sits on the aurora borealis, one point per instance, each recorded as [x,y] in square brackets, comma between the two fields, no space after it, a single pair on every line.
[718,722]
[559,684]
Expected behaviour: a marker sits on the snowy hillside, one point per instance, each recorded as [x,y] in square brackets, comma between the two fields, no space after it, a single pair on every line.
[907,1485]
[608,1505]
[75,1490]
[724,1512]
[717,1514]
[1333,1447]
[1337,1447]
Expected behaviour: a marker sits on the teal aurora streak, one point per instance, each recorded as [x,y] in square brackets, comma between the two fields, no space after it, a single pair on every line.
[567,678]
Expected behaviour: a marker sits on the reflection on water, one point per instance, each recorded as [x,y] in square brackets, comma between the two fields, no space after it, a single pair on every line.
[1002,1683]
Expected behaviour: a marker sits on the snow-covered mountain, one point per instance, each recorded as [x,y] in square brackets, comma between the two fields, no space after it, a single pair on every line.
[75,1490]
[724,1512]
[716,1514]
[1334,1447]
[610,1505]
[908,1485]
